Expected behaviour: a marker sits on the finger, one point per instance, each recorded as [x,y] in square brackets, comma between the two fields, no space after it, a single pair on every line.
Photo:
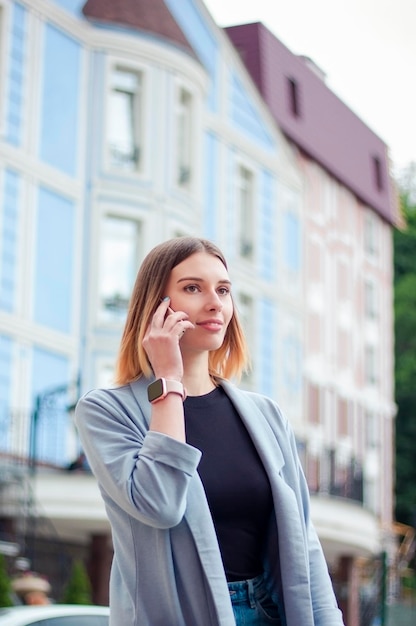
[182,330]
[161,312]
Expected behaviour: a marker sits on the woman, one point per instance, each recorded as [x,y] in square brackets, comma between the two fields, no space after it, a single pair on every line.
[204,492]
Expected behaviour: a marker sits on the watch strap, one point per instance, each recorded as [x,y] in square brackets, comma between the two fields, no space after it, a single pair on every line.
[161,387]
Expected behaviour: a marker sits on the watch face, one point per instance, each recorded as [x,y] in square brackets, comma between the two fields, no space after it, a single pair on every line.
[155,390]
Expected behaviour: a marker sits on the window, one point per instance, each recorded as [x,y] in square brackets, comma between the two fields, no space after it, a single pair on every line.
[372,430]
[291,243]
[343,348]
[370,234]
[124,122]
[370,365]
[184,138]
[315,264]
[313,471]
[247,316]
[245,211]
[370,299]
[10,193]
[378,173]
[120,242]
[315,333]
[343,280]
[343,418]
[293,97]
[314,404]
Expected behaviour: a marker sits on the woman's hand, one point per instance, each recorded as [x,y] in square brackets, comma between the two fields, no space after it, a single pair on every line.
[162,341]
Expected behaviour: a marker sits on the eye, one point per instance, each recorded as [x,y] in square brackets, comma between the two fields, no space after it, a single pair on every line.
[223,291]
[192,288]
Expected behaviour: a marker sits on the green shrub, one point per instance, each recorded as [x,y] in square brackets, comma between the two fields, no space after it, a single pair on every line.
[78,589]
[5,584]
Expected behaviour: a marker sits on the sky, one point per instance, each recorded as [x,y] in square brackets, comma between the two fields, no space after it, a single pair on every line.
[367,49]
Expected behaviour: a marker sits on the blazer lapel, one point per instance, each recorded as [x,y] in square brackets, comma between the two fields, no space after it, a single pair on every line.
[260,430]
[291,557]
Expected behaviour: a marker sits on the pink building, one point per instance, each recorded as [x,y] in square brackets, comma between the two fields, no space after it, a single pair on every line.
[351,207]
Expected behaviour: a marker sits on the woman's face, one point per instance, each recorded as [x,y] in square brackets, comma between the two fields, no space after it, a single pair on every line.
[200,286]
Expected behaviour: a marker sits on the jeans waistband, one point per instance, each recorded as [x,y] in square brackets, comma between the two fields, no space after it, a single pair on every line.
[246,590]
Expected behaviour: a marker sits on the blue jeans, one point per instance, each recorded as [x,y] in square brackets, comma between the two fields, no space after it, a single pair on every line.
[252,604]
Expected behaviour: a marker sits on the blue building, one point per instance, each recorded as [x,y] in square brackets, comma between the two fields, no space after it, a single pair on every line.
[122,126]
[117,133]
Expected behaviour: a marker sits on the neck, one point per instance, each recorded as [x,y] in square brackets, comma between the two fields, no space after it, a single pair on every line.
[196,378]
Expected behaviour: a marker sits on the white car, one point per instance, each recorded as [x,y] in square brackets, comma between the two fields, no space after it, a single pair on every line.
[55,615]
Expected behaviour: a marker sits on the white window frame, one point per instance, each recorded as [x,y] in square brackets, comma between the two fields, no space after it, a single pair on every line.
[140,138]
[371,234]
[371,307]
[371,429]
[245,187]
[184,125]
[370,365]
[246,308]
[101,321]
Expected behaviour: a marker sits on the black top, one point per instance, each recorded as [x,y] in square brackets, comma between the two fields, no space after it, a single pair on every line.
[236,484]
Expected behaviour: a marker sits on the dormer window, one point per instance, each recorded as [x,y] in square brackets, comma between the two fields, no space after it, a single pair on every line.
[378,174]
[293,97]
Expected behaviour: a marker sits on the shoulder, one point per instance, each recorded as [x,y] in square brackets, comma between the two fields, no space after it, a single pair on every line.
[119,403]
[122,394]
[110,395]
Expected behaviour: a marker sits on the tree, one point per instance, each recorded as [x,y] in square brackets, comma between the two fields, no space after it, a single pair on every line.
[405,241]
[5,584]
[405,356]
[78,589]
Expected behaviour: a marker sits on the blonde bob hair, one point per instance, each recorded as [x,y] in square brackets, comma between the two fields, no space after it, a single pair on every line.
[229,360]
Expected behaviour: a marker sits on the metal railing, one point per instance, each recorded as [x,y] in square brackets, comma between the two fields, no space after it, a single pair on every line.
[328,473]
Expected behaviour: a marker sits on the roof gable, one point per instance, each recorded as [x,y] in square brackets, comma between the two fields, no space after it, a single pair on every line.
[146,15]
[313,117]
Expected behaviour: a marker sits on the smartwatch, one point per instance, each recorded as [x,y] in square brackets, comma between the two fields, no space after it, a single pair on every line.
[160,388]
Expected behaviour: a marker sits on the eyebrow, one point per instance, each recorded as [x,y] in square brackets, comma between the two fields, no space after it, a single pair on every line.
[202,280]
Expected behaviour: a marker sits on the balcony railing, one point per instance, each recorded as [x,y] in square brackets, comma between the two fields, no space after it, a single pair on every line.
[328,472]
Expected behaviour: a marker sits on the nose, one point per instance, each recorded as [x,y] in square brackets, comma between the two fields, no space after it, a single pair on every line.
[214,302]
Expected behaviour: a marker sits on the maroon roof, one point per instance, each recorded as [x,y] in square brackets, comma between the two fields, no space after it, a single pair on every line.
[313,117]
[146,15]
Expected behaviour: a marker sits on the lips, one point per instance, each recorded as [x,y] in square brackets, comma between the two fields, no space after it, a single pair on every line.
[211,324]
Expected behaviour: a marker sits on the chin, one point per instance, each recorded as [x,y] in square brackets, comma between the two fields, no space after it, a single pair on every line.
[210,344]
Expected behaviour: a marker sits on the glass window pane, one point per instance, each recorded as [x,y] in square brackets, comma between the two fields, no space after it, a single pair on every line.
[245,199]
[118,266]
[124,119]
[184,132]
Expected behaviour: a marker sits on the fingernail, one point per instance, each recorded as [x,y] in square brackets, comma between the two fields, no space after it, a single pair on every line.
[165,299]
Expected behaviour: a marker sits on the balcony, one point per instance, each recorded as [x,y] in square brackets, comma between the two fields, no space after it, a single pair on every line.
[336,484]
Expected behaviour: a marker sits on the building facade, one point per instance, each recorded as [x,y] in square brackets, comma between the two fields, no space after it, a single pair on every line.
[123,124]
[350,210]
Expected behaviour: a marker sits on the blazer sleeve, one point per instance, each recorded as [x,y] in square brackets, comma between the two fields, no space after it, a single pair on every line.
[145,473]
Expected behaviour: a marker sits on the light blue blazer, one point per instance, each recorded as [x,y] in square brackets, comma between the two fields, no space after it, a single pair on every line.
[167,568]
